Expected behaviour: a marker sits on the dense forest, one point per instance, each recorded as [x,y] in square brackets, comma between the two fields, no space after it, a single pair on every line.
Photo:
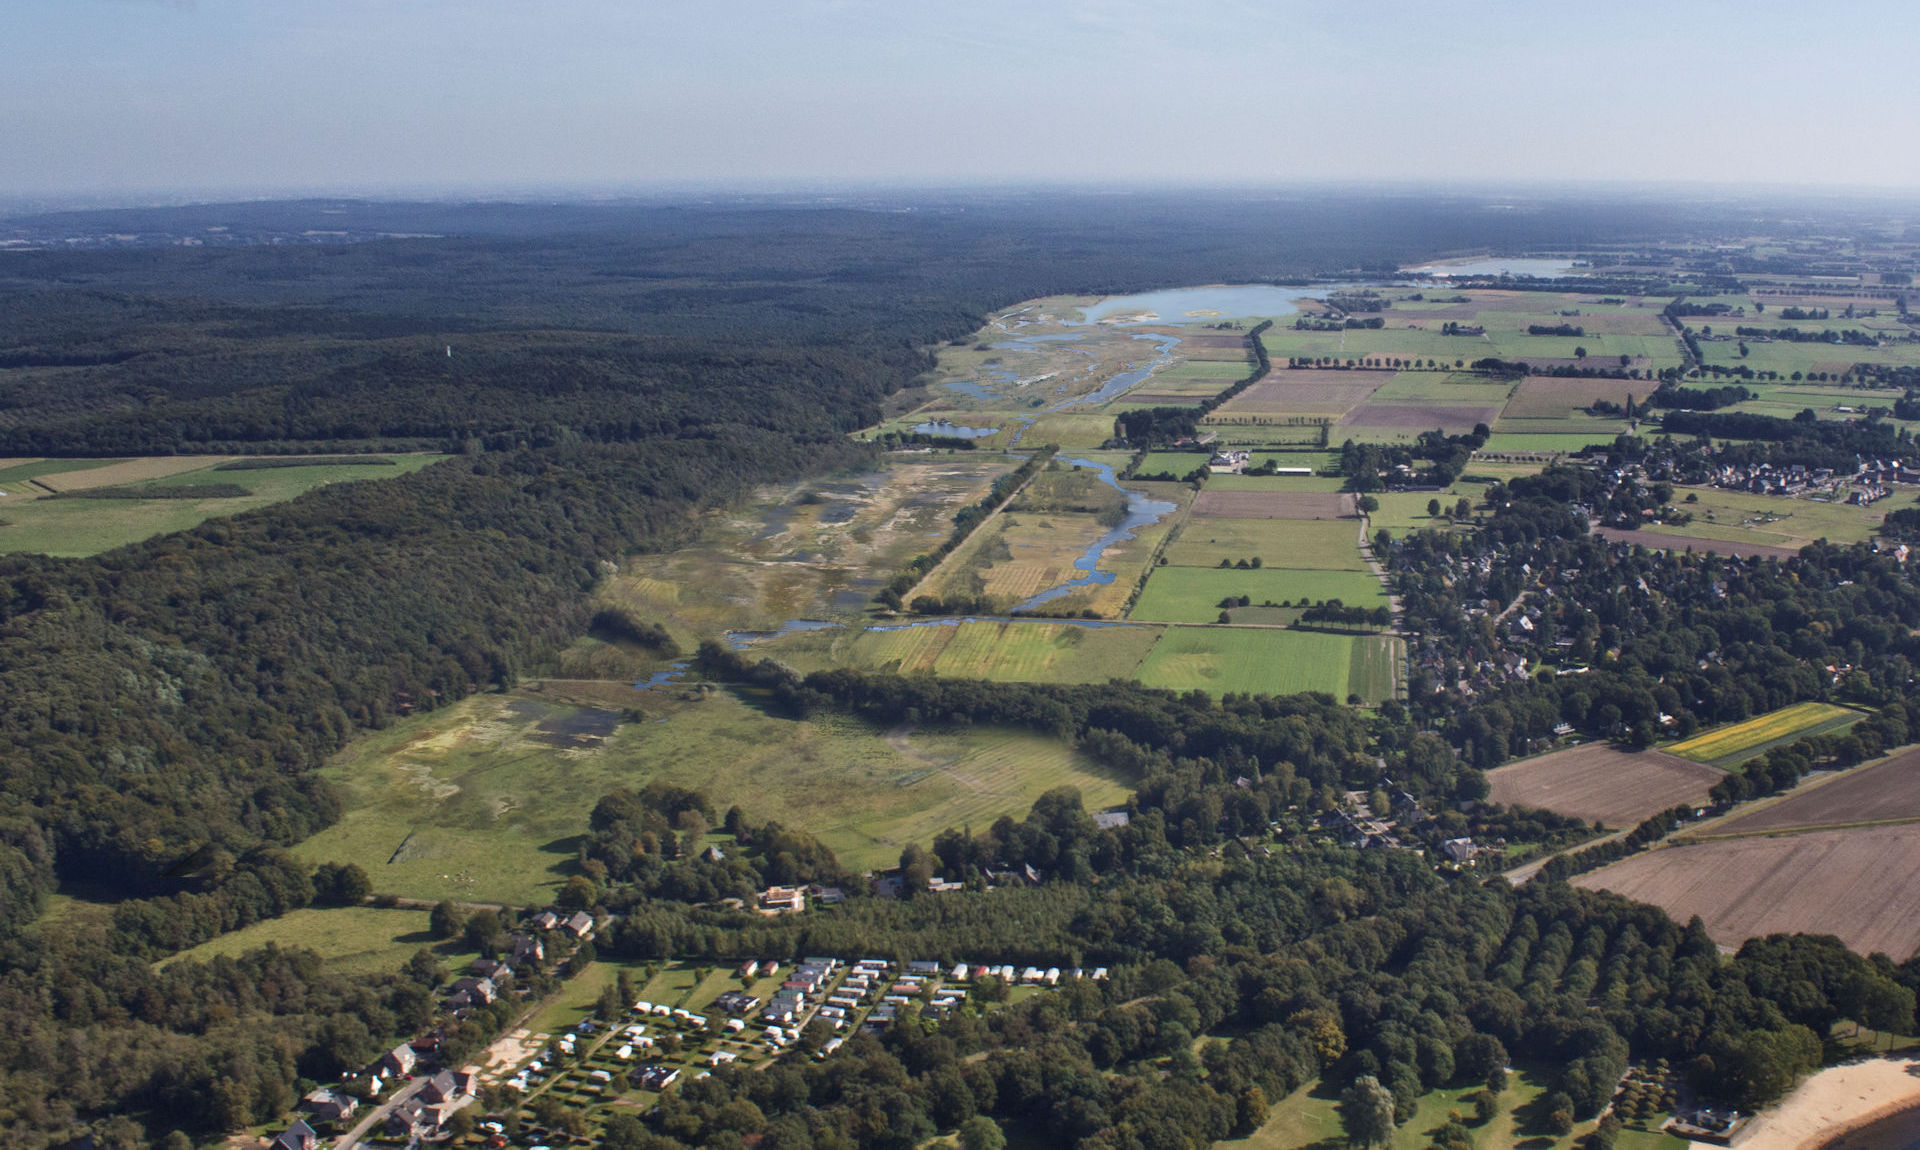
[599,375]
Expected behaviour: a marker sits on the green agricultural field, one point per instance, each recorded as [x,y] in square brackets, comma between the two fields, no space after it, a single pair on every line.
[1268,661]
[1326,545]
[1565,443]
[78,527]
[1374,670]
[485,799]
[1223,370]
[1442,387]
[352,939]
[1175,463]
[1787,358]
[1193,594]
[1036,652]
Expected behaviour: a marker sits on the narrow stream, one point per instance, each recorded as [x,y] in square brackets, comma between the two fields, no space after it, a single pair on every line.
[1141,512]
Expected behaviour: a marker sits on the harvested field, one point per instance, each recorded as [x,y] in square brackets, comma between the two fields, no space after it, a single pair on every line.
[1600,784]
[1239,341]
[1301,392]
[128,471]
[1885,792]
[1418,417]
[1862,885]
[1274,505]
[1729,746]
[1546,397]
[1662,541]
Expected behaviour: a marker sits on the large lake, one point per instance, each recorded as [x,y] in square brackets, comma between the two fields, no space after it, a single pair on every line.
[1539,269]
[1221,301]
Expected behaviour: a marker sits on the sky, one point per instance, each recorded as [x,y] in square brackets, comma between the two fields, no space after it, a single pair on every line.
[121,98]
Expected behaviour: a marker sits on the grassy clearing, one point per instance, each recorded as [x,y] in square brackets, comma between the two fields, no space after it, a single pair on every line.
[1326,545]
[1738,516]
[1310,1117]
[1730,746]
[1264,661]
[471,803]
[352,939]
[1403,511]
[79,527]
[1193,594]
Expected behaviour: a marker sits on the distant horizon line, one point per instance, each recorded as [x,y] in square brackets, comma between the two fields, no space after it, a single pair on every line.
[14,204]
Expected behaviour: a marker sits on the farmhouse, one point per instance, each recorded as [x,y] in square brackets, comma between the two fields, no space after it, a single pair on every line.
[580,925]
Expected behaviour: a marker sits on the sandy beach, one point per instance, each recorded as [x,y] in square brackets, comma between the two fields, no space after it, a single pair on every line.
[1871,1105]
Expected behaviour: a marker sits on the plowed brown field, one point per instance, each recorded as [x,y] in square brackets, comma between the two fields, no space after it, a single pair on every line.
[1862,885]
[1601,784]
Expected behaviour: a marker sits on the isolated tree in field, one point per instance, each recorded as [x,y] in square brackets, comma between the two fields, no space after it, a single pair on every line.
[1463,509]
[1367,504]
[1433,508]
[1366,1112]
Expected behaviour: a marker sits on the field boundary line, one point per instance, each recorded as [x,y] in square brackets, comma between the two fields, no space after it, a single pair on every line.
[1790,832]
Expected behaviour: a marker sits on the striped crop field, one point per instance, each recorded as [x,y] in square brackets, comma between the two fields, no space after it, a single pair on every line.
[1729,746]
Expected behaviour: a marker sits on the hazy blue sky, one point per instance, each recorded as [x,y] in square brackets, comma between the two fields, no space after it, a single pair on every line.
[113,96]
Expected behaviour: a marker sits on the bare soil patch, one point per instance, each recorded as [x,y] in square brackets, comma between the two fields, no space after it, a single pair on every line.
[1274,504]
[1862,885]
[1302,392]
[1884,792]
[1601,784]
[1421,416]
[1664,542]
[1548,397]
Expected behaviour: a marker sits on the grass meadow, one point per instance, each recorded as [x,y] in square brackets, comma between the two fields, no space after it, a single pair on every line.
[1262,660]
[352,939]
[72,528]
[477,802]
[1193,594]
[1327,545]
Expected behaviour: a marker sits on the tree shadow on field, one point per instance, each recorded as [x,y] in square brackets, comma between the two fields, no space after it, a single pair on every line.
[569,850]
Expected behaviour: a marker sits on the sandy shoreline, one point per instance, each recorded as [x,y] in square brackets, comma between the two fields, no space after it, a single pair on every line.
[1870,1105]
